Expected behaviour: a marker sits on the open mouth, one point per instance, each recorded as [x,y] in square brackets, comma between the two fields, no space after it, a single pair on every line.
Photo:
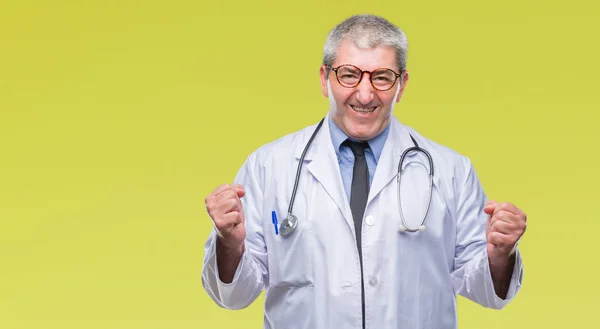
[364,109]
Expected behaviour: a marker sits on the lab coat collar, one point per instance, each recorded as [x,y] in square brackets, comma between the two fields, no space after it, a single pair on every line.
[387,167]
[321,161]
[401,139]
[375,144]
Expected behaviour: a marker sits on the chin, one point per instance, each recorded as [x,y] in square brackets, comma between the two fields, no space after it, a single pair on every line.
[361,127]
[366,129]
[362,131]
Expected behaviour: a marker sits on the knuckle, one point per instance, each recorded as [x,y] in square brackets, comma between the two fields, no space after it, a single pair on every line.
[510,216]
[216,217]
[230,194]
[225,225]
[209,198]
[232,203]
[210,209]
[494,238]
[220,225]
[502,215]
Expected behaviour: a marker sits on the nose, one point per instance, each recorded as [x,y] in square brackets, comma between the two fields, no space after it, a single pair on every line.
[364,91]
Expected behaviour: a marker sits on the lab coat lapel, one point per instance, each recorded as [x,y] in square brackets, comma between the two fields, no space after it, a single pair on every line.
[387,167]
[321,161]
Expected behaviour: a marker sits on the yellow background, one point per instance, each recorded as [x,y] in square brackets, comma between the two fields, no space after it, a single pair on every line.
[117,118]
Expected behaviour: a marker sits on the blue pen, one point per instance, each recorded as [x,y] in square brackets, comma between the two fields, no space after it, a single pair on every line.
[274,216]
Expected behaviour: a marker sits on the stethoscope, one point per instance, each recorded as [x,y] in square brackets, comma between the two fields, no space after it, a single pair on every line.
[290,223]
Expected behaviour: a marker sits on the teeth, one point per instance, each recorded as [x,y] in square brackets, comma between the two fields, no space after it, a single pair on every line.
[364,109]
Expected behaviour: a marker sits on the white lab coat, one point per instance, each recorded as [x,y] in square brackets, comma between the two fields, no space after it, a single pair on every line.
[312,278]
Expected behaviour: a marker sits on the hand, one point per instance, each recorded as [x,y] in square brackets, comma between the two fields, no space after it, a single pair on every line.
[225,209]
[505,226]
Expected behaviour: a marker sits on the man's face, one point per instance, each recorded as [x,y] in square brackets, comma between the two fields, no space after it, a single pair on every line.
[362,112]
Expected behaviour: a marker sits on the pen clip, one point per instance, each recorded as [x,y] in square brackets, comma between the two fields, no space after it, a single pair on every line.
[274,218]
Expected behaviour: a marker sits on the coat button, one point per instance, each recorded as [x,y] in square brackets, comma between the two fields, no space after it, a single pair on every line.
[373,281]
[370,220]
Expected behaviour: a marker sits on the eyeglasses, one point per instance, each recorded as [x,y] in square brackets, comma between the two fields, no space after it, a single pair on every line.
[350,76]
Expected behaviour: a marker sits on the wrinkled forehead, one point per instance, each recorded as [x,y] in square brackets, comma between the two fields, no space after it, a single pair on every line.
[366,56]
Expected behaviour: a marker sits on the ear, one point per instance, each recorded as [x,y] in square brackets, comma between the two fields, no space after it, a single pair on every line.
[404,81]
[323,74]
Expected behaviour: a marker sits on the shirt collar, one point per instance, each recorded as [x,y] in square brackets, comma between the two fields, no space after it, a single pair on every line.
[375,144]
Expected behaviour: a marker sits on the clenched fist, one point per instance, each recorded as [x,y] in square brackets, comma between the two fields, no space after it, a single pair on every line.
[225,209]
[505,226]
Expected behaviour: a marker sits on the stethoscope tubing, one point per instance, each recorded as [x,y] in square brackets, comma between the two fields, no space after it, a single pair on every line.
[289,224]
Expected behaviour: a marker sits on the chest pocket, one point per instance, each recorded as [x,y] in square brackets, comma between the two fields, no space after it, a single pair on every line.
[291,257]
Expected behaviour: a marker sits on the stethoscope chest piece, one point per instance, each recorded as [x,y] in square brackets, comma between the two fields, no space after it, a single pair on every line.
[288,225]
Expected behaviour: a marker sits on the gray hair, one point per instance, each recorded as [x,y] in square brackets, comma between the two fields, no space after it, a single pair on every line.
[366,31]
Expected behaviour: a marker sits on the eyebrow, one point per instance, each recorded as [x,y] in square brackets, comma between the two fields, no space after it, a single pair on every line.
[383,71]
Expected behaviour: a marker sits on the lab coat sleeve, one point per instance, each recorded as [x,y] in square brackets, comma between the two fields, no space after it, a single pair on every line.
[471,275]
[251,273]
